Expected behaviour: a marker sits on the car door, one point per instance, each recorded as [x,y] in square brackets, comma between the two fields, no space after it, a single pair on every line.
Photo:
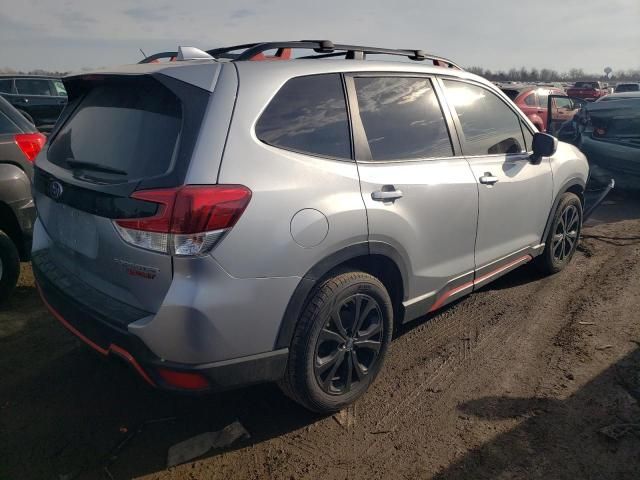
[35,96]
[514,194]
[419,192]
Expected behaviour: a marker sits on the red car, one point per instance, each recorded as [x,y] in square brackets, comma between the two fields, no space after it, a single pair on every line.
[532,101]
[588,90]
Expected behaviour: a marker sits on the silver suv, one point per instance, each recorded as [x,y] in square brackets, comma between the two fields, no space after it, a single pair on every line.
[217,221]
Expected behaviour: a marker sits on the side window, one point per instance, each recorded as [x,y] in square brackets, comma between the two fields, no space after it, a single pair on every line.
[489,126]
[6,125]
[308,114]
[33,86]
[402,118]
[543,98]
[5,85]
[531,100]
[528,137]
[58,87]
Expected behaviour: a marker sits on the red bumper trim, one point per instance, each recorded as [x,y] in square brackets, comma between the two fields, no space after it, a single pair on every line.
[115,349]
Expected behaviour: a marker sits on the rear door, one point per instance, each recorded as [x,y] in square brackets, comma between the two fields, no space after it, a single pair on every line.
[420,194]
[514,195]
[122,134]
[38,98]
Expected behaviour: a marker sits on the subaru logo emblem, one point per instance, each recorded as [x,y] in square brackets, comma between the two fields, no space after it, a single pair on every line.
[55,190]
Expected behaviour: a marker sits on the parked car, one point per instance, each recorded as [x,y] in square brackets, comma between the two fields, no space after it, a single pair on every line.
[620,96]
[20,142]
[40,99]
[346,197]
[532,100]
[590,91]
[627,87]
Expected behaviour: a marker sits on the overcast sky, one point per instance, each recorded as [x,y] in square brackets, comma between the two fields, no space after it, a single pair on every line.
[496,34]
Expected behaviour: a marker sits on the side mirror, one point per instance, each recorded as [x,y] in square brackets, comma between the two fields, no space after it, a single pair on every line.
[544,145]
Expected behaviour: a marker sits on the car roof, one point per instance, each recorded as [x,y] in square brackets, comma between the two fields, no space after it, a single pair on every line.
[201,71]
[24,75]
[621,95]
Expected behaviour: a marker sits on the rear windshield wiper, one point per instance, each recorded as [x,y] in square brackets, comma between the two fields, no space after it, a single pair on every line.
[96,167]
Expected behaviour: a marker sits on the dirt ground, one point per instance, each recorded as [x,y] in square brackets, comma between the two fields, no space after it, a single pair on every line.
[528,378]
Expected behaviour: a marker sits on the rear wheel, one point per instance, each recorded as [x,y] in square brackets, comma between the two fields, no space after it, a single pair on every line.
[9,266]
[340,342]
[563,236]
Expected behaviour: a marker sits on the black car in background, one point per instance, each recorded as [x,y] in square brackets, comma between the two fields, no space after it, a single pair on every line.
[40,99]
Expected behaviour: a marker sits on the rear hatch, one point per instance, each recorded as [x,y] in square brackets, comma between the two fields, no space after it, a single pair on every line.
[118,135]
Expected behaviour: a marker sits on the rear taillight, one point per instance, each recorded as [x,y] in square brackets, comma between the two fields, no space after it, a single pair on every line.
[30,144]
[190,220]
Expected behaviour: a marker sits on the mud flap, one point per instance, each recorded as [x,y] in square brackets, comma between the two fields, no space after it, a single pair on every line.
[591,205]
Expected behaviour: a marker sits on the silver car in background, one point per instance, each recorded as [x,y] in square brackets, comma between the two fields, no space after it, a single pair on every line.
[218,221]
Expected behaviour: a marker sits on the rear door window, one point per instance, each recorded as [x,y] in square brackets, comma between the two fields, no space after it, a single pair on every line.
[489,126]
[33,86]
[128,126]
[402,118]
[308,115]
[5,86]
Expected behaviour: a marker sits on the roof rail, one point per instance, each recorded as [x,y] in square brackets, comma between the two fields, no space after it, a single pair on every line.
[321,49]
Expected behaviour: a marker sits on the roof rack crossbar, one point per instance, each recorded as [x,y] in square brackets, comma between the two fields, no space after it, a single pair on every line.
[322,48]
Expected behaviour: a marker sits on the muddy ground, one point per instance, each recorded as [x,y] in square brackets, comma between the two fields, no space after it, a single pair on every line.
[519,380]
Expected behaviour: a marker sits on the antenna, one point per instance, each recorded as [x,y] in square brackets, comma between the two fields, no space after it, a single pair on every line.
[144,55]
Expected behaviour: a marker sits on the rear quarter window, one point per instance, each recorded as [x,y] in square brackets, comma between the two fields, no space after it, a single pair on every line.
[7,126]
[308,115]
[5,86]
[127,125]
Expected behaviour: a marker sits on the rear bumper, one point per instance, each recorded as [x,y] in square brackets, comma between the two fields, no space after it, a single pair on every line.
[109,339]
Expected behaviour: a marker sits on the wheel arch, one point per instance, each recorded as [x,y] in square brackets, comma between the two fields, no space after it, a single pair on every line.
[376,258]
[574,185]
[9,225]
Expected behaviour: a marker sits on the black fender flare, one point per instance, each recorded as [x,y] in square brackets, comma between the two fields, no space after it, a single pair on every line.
[298,300]
[563,189]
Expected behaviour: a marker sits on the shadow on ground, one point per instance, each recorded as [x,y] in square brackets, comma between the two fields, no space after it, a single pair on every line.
[594,433]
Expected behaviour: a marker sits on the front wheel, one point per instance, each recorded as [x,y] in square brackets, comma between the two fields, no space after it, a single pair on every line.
[340,342]
[563,236]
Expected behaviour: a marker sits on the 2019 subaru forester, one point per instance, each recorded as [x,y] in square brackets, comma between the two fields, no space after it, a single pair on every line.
[218,222]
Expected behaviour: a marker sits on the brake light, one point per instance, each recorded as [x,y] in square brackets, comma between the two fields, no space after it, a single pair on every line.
[30,144]
[190,220]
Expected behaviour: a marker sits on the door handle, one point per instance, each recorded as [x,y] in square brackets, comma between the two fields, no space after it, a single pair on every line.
[488,179]
[388,193]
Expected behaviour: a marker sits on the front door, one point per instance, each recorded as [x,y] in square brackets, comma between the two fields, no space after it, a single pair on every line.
[514,194]
[419,192]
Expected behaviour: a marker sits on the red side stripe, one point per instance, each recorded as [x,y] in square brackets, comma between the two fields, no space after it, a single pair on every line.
[454,291]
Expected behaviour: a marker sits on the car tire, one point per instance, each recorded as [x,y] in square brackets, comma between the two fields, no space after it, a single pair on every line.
[27,116]
[9,266]
[332,364]
[564,234]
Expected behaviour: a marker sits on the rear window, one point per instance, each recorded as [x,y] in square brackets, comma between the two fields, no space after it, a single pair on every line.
[130,126]
[309,115]
[7,126]
[593,85]
[629,87]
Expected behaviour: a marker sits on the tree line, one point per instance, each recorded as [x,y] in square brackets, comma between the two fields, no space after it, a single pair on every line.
[549,75]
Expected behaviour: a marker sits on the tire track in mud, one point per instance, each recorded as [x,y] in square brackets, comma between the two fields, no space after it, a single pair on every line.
[481,346]
[497,344]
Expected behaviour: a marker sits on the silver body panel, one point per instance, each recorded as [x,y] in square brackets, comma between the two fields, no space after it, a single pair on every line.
[232,302]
